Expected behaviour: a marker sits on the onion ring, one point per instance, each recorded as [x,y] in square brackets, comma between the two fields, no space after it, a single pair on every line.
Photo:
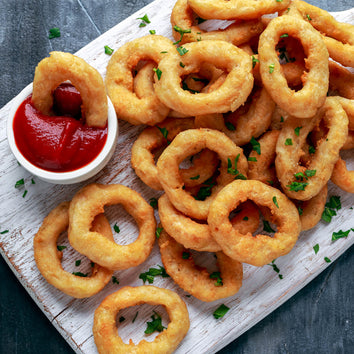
[305,102]
[151,138]
[343,178]
[228,97]
[341,80]
[237,33]
[254,122]
[59,67]
[119,80]
[192,141]
[87,203]
[338,36]
[105,325]
[296,182]
[196,280]
[229,10]
[261,249]
[48,258]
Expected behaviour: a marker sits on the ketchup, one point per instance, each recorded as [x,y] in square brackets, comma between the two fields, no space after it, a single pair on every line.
[57,143]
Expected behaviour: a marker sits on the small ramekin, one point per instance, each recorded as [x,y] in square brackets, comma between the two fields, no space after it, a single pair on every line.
[75,176]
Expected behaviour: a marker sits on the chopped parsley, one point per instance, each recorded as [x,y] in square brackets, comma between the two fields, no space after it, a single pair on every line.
[308,17]
[200,20]
[116,228]
[153,202]
[20,183]
[185,87]
[281,119]
[297,131]
[60,248]
[331,207]
[271,68]
[115,280]
[205,190]
[327,260]
[79,274]
[195,177]
[181,32]
[300,210]
[181,64]
[254,61]
[297,186]
[186,255]
[275,202]
[4,232]
[78,262]
[152,273]
[158,73]
[145,20]
[275,268]
[155,324]
[316,248]
[267,227]
[136,315]
[108,50]
[54,33]
[312,149]
[284,35]
[152,32]
[92,264]
[245,218]
[288,142]
[254,159]
[24,193]
[217,277]
[158,232]
[235,171]
[340,234]
[163,131]
[181,50]
[230,126]
[33,181]
[221,311]
[256,146]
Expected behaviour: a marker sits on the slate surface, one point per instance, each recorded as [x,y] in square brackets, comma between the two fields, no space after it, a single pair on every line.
[318,319]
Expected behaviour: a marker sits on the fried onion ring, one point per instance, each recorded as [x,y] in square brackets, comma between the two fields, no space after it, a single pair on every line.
[229,10]
[260,249]
[296,130]
[237,33]
[59,67]
[228,97]
[90,201]
[197,280]
[120,83]
[48,258]
[151,138]
[341,80]
[192,141]
[343,178]
[305,102]
[105,331]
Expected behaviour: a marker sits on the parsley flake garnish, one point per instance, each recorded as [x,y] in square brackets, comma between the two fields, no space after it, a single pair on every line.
[300,210]
[54,33]
[158,232]
[92,264]
[115,280]
[256,146]
[158,73]
[254,159]
[205,190]
[145,20]
[316,248]
[284,35]
[327,260]
[217,276]
[155,324]
[33,181]
[4,232]
[60,248]
[275,202]
[181,64]
[245,218]
[78,262]
[136,315]
[163,131]
[297,186]
[181,50]
[79,274]
[108,50]
[221,311]
[230,126]
[276,269]
[153,202]
[195,177]
[308,17]
[186,255]
[20,183]
[200,20]
[288,142]
[340,234]
[312,149]
[234,171]
[116,228]
[152,32]
[153,272]
[181,32]
[267,227]
[297,131]
[254,61]
[271,68]
[24,193]
[331,207]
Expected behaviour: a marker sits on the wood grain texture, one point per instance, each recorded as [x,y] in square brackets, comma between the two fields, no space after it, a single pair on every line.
[262,290]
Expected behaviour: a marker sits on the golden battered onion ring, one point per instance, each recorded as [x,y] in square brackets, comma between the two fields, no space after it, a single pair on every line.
[245,125]
[260,166]
[151,138]
[48,258]
[343,178]
[237,33]
[341,80]
[228,97]
[105,325]
[260,249]
[305,102]
[229,10]
[311,210]
[189,142]
[348,106]
[120,83]
[326,154]
[90,201]
[338,36]
[186,231]
[59,67]
[349,143]
[196,280]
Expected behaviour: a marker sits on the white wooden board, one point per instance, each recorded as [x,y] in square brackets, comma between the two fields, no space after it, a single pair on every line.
[262,290]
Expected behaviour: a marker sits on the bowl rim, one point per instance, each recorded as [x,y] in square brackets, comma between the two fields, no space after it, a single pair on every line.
[69,177]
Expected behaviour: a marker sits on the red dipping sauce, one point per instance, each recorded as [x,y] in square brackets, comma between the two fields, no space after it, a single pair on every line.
[57,143]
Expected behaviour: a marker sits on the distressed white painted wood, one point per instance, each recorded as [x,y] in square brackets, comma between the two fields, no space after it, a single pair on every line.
[262,290]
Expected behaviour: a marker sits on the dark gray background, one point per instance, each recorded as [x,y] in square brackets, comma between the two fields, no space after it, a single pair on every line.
[318,319]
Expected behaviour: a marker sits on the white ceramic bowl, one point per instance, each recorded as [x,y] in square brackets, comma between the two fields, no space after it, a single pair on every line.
[78,175]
